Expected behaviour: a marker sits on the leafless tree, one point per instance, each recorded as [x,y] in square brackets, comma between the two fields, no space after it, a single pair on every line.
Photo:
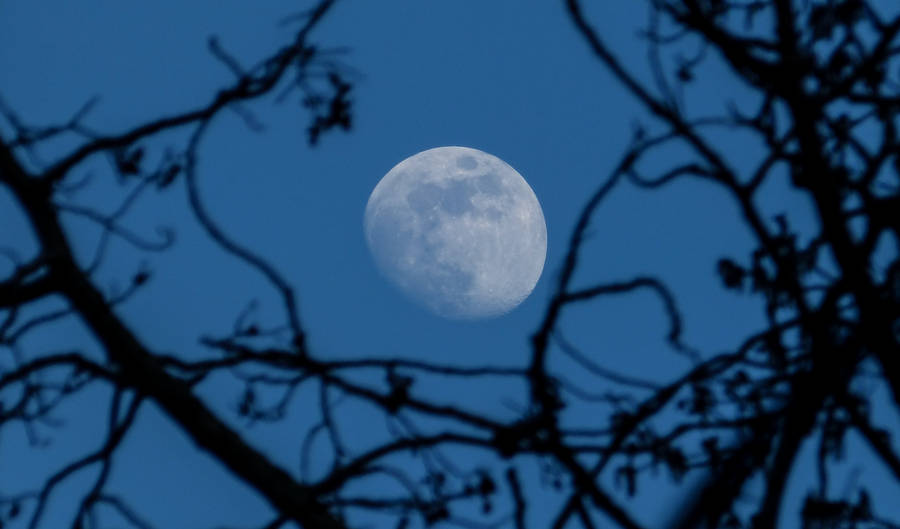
[824,75]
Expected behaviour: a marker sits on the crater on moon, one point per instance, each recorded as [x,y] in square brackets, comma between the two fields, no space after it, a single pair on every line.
[457,230]
[466,162]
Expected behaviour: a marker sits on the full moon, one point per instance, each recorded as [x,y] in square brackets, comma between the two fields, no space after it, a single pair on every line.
[459,231]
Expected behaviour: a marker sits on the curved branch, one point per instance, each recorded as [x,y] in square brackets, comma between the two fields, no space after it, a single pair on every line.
[674,336]
[247,87]
[140,370]
[212,229]
[75,360]
[116,434]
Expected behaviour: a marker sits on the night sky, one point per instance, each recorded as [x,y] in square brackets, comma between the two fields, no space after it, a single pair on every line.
[510,77]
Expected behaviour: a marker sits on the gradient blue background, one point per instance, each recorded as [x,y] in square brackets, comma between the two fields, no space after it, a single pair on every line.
[509,77]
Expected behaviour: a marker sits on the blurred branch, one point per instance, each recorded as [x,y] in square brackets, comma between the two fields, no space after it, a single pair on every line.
[259,81]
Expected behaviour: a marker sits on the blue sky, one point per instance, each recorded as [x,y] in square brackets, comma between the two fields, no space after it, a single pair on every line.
[509,77]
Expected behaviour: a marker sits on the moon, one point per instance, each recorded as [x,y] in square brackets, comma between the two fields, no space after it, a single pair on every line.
[459,231]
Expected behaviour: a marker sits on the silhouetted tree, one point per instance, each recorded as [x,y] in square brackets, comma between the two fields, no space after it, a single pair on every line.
[825,83]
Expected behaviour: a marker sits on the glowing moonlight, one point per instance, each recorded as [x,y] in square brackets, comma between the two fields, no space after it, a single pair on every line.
[459,231]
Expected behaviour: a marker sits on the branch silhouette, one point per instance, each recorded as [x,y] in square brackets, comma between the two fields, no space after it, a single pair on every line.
[824,106]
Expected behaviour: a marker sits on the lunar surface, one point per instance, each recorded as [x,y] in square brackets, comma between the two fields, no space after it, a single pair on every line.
[459,231]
